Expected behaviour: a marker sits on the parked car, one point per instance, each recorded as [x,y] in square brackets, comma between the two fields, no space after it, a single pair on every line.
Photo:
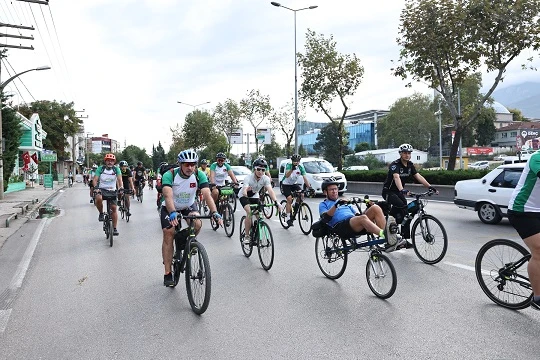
[479,165]
[500,157]
[240,172]
[316,171]
[489,196]
[356,167]
[525,154]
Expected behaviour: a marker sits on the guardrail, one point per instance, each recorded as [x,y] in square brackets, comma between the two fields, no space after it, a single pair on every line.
[446,192]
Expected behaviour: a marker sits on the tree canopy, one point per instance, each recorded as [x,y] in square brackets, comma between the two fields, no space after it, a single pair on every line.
[11,132]
[227,118]
[327,144]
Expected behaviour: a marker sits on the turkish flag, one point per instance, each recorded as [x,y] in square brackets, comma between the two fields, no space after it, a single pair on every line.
[34,158]
[26,160]
[192,185]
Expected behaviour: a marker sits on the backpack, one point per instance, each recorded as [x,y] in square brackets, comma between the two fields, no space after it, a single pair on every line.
[164,168]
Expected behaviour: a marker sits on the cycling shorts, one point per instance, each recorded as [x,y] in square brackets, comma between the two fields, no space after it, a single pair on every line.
[345,231]
[244,200]
[289,189]
[526,224]
[164,213]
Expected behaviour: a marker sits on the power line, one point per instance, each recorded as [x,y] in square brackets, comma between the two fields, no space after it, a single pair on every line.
[14,84]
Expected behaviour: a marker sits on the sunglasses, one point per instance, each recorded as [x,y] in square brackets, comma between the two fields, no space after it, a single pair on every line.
[260,169]
[189,164]
[220,159]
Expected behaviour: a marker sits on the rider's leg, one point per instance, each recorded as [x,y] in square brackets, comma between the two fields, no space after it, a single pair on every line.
[167,244]
[114,215]
[375,213]
[361,222]
[215,194]
[533,243]
[99,203]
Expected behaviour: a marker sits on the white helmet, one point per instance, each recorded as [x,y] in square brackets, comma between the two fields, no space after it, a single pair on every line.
[406,148]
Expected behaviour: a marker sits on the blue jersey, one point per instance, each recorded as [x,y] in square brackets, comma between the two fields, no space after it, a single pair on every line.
[343,212]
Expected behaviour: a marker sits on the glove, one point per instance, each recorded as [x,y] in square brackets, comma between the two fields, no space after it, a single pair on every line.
[250,193]
[431,188]
[404,191]
[173,215]
[294,167]
[216,215]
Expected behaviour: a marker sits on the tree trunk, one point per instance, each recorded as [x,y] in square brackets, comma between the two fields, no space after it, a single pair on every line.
[454,149]
[340,139]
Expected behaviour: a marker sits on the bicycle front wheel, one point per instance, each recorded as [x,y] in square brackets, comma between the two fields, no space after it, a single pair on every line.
[331,257]
[228,220]
[198,278]
[429,239]
[381,275]
[265,246]
[232,201]
[282,218]
[305,218]
[268,210]
[247,248]
[111,232]
[501,271]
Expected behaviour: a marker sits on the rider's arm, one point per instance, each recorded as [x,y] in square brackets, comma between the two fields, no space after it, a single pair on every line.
[288,170]
[271,192]
[168,196]
[231,174]
[327,210]
[131,183]
[207,195]
[421,180]
[397,181]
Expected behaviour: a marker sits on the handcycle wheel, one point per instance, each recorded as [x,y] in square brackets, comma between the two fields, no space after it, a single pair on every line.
[429,239]
[228,220]
[331,257]
[111,232]
[282,219]
[247,249]
[511,288]
[381,275]
[198,278]
[268,210]
[265,246]
[305,218]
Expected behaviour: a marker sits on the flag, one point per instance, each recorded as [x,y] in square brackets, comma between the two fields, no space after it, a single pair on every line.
[26,160]
[35,158]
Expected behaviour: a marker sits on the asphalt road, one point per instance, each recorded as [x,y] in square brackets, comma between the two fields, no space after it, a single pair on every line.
[81,298]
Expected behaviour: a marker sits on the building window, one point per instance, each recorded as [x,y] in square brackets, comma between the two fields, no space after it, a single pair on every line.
[504,135]
[513,134]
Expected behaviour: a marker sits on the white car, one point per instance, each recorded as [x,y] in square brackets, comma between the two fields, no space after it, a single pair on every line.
[500,157]
[356,167]
[240,172]
[489,196]
[479,165]
[317,170]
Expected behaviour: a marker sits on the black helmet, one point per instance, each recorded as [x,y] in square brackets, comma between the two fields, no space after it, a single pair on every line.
[162,163]
[260,163]
[295,158]
[221,155]
[203,162]
[328,182]
[139,163]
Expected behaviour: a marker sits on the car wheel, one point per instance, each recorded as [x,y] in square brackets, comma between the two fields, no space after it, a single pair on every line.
[489,213]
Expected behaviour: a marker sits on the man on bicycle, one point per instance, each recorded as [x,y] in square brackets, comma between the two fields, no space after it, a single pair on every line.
[249,192]
[140,173]
[290,183]
[524,215]
[204,167]
[70,178]
[179,190]
[127,182]
[218,174]
[348,222]
[108,177]
[91,182]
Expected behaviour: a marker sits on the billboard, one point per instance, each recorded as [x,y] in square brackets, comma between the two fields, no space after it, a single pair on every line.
[236,137]
[528,140]
[264,136]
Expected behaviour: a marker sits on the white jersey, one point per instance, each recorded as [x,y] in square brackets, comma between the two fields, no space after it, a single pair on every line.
[526,195]
[256,185]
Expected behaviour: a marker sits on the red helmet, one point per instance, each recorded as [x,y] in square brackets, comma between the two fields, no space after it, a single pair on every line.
[109,157]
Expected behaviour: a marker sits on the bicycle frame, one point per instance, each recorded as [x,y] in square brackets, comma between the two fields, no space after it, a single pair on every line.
[508,273]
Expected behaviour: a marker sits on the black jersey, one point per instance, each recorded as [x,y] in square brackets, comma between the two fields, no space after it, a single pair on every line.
[139,172]
[406,174]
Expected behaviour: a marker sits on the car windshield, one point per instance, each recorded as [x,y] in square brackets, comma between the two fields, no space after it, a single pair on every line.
[241,171]
[318,166]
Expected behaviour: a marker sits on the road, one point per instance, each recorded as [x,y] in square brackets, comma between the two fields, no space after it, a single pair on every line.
[81,298]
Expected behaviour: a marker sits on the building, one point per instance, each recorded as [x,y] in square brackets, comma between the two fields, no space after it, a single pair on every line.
[30,148]
[102,144]
[518,135]
[389,155]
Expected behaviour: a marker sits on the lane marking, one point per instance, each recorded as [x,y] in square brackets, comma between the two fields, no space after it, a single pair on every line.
[18,278]
[4,319]
[466,267]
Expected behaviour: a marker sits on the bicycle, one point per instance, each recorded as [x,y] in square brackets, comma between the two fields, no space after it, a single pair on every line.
[225,209]
[140,191]
[108,227]
[201,203]
[124,210]
[70,181]
[332,253]
[501,271]
[261,236]
[151,183]
[426,227]
[265,198]
[193,259]
[300,210]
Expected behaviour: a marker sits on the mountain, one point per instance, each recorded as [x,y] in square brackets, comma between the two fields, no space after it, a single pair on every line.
[524,96]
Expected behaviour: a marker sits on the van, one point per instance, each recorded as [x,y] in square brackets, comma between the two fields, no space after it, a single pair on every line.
[317,170]
[513,160]
[356,168]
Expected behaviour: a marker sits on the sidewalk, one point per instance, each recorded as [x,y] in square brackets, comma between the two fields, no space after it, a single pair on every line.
[25,204]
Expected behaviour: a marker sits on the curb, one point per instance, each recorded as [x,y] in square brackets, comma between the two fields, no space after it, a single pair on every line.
[33,213]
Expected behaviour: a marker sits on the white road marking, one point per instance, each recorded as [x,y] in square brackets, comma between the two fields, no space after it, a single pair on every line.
[4,318]
[466,267]
[18,278]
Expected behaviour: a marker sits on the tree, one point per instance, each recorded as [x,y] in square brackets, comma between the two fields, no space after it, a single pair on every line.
[272,151]
[410,120]
[177,145]
[485,128]
[255,108]
[283,121]
[444,41]
[517,115]
[326,143]
[363,146]
[227,119]
[219,144]
[11,132]
[158,155]
[198,129]
[133,154]
[328,75]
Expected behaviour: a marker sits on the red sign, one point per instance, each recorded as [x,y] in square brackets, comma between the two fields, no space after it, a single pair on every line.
[480,151]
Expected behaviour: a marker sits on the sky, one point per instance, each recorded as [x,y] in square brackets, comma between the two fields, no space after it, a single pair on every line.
[127,63]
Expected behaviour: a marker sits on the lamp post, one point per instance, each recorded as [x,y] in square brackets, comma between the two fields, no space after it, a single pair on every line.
[194,106]
[439,117]
[86,150]
[295,71]
[2,86]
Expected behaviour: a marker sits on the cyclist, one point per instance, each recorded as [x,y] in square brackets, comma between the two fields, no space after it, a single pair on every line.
[401,171]
[91,182]
[179,188]
[218,174]
[249,193]
[290,183]
[140,173]
[151,176]
[524,215]
[204,167]
[347,222]
[127,182]
[70,178]
[108,177]
[158,182]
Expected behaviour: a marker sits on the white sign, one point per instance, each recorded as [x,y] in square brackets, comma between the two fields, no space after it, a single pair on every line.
[264,136]
[96,146]
[236,137]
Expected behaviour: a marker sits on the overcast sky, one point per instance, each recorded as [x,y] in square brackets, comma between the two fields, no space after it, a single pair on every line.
[128,62]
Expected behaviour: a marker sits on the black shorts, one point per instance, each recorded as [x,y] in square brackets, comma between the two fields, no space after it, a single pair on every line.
[344,230]
[289,189]
[244,200]
[164,213]
[526,224]
[108,196]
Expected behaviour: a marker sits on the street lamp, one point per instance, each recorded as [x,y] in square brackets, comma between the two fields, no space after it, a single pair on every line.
[295,71]
[438,114]
[193,106]
[86,150]
[2,86]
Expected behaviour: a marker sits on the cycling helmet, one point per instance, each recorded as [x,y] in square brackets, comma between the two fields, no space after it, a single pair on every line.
[188,155]
[123,163]
[109,157]
[139,163]
[162,163]
[328,182]
[203,162]
[261,163]
[295,158]
[94,166]
[405,147]
[221,155]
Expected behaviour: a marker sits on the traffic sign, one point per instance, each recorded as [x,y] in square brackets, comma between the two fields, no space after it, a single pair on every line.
[48,156]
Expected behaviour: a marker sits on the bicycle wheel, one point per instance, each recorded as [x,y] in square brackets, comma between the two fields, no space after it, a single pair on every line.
[198,278]
[265,246]
[232,201]
[501,271]
[106,226]
[127,215]
[429,239]
[268,210]
[121,208]
[381,275]
[111,232]
[213,223]
[247,249]
[331,257]
[228,220]
[305,218]
[176,266]
[141,196]
[282,219]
